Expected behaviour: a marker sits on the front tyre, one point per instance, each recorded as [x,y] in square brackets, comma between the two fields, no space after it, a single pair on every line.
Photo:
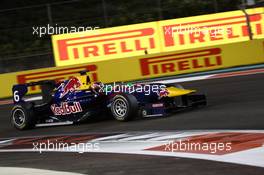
[124,107]
[22,117]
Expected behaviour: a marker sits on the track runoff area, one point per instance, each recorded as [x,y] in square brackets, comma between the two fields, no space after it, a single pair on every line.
[227,133]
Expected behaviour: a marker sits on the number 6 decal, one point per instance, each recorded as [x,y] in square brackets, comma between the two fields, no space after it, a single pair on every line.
[16,96]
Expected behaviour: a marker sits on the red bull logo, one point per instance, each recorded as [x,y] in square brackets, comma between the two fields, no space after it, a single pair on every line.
[57,74]
[66,109]
[163,93]
[73,84]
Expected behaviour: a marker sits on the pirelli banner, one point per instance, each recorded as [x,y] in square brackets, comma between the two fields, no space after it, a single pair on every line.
[156,37]
[147,66]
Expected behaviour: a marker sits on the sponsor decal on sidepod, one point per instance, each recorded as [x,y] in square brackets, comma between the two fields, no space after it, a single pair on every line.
[65,108]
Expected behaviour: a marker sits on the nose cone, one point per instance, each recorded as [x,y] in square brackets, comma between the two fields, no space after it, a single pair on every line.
[173,91]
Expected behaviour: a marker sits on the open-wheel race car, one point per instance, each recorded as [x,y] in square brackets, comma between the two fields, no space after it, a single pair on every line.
[77,99]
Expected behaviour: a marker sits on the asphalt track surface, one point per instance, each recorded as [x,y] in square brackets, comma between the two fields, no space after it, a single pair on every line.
[233,103]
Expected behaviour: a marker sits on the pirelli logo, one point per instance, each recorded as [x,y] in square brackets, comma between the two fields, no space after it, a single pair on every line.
[227,28]
[156,37]
[105,44]
[57,75]
[195,60]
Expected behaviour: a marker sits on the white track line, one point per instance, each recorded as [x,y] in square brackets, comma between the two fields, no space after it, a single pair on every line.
[32,171]
[180,80]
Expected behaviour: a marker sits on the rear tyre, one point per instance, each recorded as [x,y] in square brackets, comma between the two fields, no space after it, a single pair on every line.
[124,107]
[22,117]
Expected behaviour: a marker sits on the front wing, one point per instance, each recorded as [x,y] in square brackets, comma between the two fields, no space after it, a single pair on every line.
[169,105]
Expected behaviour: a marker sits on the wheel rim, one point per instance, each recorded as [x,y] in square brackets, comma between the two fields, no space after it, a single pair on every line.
[120,108]
[19,117]
[144,113]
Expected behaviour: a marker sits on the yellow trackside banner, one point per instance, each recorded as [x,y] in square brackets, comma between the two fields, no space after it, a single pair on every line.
[156,37]
[147,66]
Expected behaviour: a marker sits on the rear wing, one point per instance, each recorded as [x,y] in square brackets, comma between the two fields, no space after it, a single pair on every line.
[20,90]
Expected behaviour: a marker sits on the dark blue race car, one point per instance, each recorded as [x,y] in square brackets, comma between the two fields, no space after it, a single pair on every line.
[78,99]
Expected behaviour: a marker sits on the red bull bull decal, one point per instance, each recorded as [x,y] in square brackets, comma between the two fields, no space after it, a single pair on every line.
[163,93]
[73,84]
[65,108]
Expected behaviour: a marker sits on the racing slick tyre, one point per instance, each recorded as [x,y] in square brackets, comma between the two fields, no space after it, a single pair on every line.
[22,117]
[124,107]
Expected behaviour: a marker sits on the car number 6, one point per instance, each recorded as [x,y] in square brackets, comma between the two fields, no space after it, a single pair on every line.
[16,96]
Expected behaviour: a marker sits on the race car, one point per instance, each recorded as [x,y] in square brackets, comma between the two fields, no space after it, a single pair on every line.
[78,99]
